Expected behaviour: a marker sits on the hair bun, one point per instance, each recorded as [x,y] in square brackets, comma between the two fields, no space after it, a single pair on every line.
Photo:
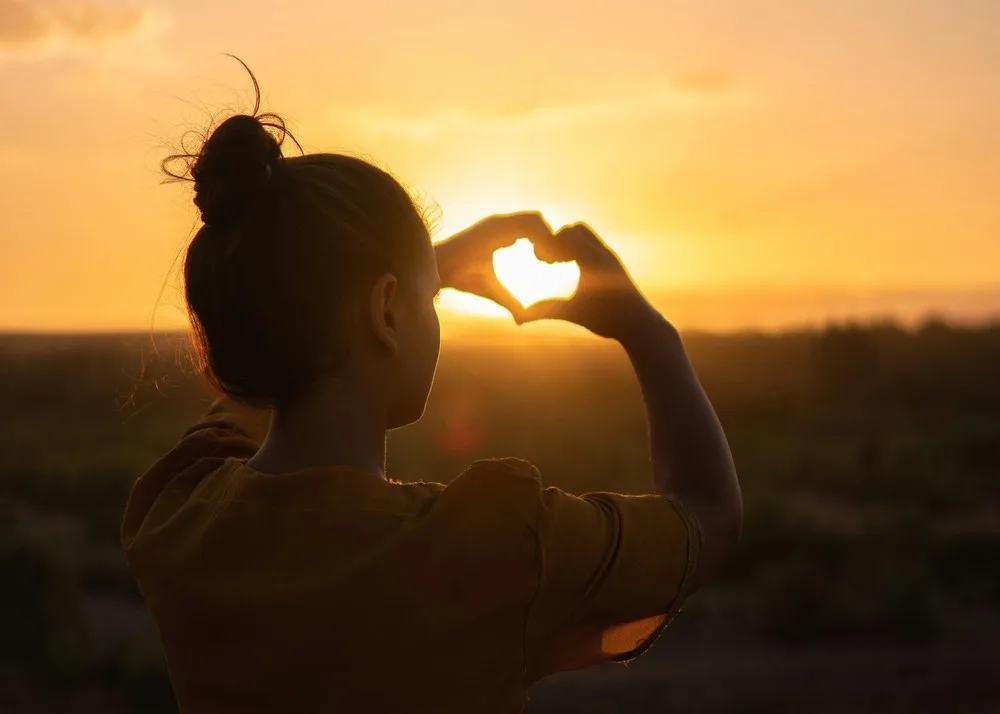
[233,169]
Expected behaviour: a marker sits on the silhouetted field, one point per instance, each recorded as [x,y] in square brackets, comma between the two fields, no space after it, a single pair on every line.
[868,579]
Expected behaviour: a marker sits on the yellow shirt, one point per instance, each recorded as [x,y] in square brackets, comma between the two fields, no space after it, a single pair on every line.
[331,590]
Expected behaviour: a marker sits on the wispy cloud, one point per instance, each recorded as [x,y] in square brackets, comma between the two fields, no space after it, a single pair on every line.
[705,81]
[35,29]
[689,91]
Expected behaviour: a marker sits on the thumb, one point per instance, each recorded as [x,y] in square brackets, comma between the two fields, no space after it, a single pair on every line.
[552,309]
[496,291]
[505,299]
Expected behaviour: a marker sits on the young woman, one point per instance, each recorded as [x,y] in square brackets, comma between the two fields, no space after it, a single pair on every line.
[286,572]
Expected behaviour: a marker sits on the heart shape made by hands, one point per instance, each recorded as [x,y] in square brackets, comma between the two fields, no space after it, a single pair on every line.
[531,279]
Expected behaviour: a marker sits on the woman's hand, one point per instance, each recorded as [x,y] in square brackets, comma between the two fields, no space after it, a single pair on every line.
[607,301]
[465,260]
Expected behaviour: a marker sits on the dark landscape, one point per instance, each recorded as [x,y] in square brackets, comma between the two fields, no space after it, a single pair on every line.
[868,580]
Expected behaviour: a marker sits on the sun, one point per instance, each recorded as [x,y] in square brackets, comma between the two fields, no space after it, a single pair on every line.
[530,279]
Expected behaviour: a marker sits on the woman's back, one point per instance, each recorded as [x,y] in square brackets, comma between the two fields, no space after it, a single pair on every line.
[332,588]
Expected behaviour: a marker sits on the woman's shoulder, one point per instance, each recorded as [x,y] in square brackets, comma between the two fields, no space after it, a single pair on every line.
[225,416]
[509,469]
[499,475]
[500,487]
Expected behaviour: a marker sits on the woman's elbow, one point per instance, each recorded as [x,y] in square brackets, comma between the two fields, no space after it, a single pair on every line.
[721,521]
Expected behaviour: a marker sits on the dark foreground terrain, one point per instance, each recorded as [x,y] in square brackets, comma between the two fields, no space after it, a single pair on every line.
[869,577]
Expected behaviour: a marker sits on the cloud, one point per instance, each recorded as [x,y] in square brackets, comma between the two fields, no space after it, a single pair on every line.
[34,28]
[19,22]
[685,92]
[702,82]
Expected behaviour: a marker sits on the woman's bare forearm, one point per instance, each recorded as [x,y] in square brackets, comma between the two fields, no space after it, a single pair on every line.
[690,454]
[691,458]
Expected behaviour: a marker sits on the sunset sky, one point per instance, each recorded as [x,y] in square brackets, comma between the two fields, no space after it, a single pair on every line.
[718,145]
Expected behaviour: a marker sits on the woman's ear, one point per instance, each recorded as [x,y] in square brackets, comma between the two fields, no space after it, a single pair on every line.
[383,311]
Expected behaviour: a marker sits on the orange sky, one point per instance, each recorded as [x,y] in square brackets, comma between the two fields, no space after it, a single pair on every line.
[716,144]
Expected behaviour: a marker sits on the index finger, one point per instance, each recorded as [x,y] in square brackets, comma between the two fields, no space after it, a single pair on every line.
[570,243]
[507,228]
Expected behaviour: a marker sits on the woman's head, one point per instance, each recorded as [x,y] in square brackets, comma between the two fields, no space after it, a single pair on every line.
[306,268]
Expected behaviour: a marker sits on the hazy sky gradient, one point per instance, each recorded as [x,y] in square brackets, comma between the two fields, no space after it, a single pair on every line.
[715,143]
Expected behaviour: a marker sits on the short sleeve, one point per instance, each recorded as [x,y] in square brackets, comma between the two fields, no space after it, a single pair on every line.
[227,429]
[614,570]
[226,415]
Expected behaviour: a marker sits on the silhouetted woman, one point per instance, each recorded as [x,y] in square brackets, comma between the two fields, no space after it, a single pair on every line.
[289,574]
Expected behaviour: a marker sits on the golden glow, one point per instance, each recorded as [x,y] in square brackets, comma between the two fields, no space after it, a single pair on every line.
[715,147]
[530,279]
[464,304]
